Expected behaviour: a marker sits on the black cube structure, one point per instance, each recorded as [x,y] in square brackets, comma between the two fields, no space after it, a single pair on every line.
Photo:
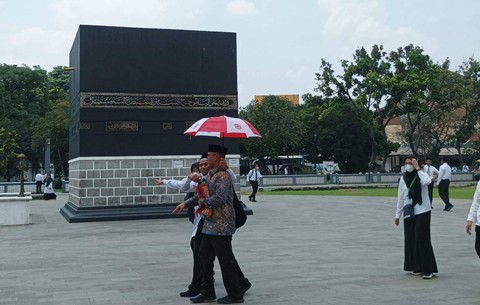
[133,92]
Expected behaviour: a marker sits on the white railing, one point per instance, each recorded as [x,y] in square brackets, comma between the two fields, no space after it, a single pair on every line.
[29,186]
[279,180]
[312,180]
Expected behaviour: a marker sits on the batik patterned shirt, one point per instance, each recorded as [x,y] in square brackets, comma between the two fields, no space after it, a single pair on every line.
[222,220]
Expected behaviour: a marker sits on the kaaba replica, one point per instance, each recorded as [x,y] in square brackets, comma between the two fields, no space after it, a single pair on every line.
[133,92]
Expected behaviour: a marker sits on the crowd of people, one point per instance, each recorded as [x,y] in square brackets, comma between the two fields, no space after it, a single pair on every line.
[210,194]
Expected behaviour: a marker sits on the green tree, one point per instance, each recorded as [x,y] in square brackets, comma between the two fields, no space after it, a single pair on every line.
[469,104]
[278,122]
[54,125]
[344,136]
[366,83]
[310,113]
[8,152]
[23,99]
[34,105]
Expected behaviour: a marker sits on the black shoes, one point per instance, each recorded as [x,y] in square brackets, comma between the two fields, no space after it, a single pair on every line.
[245,288]
[189,293]
[230,300]
[448,207]
[200,298]
[249,198]
[428,276]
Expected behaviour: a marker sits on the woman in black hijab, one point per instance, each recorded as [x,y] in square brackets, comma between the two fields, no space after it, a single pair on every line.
[413,189]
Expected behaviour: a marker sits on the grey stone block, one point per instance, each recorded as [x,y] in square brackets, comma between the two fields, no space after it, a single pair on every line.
[86,183]
[155,199]
[84,164]
[146,190]
[100,201]
[113,182]
[93,192]
[140,182]
[133,173]
[93,174]
[126,182]
[166,163]
[107,173]
[140,199]
[184,172]
[127,164]
[121,191]
[100,164]
[100,182]
[146,173]
[133,191]
[120,173]
[106,192]
[140,163]
[113,201]
[113,164]
[160,190]
[160,172]
[126,200]
[172,172]
[85,202]
[153,163]
[166,198]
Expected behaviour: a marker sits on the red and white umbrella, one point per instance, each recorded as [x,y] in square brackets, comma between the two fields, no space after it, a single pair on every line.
[223,127]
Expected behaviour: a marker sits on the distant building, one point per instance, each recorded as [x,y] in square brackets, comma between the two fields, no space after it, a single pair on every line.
[293,98]
[396,134]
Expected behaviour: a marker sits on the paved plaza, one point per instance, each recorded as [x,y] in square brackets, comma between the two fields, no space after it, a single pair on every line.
[294,249]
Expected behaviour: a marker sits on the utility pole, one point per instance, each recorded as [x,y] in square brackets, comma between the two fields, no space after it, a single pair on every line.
[46,165]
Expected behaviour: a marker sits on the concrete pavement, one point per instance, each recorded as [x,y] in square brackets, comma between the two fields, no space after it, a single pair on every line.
[294,250]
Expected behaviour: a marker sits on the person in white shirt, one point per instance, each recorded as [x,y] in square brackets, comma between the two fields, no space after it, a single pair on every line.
[39,182]
[432,172]
[474,217]
[444,176]
[413,189]
[184,186]
[253,177]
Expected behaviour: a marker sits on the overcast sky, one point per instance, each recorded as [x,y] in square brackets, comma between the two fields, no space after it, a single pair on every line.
[280,42]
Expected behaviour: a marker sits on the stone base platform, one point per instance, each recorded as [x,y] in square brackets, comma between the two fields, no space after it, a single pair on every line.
[74,214]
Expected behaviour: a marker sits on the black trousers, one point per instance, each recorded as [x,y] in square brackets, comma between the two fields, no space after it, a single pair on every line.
[254,185]
[221,247]
[419,254]
[195,242]
[430,192]
[443,186]
[477,240]
[39,187]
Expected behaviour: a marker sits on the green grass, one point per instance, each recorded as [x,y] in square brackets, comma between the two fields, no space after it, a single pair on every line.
[455,192]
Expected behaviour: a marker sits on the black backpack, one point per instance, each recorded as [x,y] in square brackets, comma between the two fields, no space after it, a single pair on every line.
[240,215]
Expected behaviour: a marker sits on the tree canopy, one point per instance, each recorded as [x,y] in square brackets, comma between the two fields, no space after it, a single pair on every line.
[33,106]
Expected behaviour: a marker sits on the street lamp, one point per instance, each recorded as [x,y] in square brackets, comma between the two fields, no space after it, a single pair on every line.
[22,165]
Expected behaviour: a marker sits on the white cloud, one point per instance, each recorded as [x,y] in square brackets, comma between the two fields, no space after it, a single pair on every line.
[53,40]
[350,24]
[68,13]
[241,7]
